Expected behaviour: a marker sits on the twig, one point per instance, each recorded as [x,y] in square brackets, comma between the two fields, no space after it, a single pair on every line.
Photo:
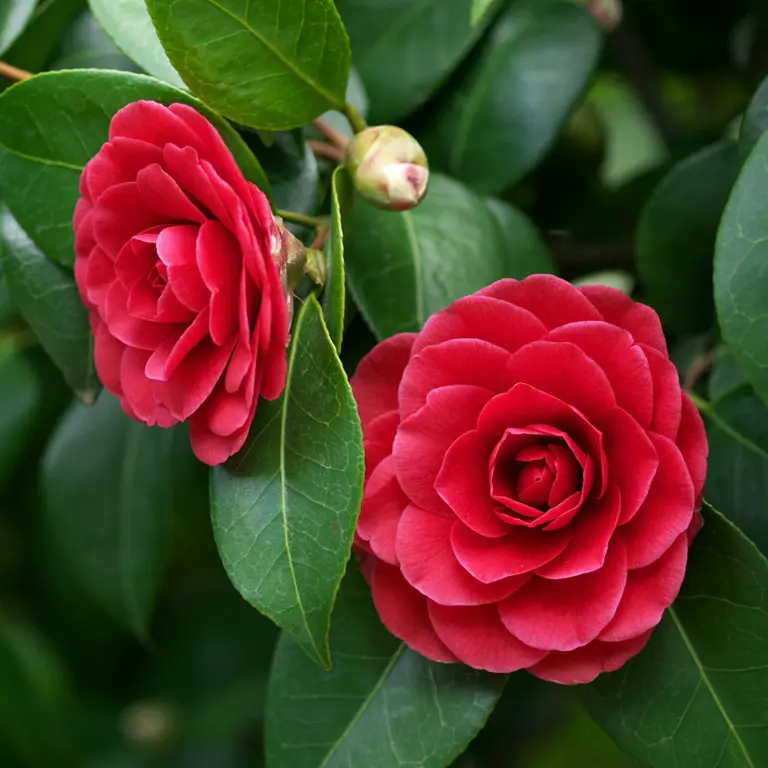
[301,218]
[699,367]
[330,133]
[13,73]
[320,237]
[328,151]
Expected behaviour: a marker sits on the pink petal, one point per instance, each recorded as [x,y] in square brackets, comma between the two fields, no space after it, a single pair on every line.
[154,123]
[428,563]
[479,639]
[120,214]
[139,392]
[133,332]
[692,442]
[108,357]
[164,196]
[378,439]
[569,613]
[210,448]
[666,394]
[176,248]
[220,262]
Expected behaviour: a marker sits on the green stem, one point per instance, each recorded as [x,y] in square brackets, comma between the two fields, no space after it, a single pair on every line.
[301,218]
[704,406]
[356,120]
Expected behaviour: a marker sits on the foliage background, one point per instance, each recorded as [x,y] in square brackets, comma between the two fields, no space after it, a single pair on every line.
[669,86]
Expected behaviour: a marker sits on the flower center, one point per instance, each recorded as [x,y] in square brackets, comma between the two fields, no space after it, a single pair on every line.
[534,482]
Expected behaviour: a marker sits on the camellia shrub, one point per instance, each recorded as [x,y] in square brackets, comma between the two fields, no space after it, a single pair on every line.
[383,384]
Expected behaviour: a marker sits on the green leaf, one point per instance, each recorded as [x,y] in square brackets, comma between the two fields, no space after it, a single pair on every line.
[285,508]
[335,280]
[107,493]
[85,45]
[737,469]
[20,396]
[676,237]
[755,121]
[526,253]
[697,695]
[357,97]
[510,104]
[479,9]
[14,15]
[47,297]
[382,705]
[403,49]
[52,124]
[271,64]
[725,377]
[741,281]
[402,267]
[128,23]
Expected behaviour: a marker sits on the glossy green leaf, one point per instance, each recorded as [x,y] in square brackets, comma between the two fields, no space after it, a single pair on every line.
[20,396]
[34,699]
[128,23]
[52,124]
[285,508]
[676,237]
[726,375]
[741,281]
[381,706]
[737,469]
[271,64]
[402,267]
[47,297]
[14,16]
[697,695]
[403,49]
[109,512]
[335,279]
[510,104]
[755,121]
[85,45]
[525,250]
[357,97]
[479,9]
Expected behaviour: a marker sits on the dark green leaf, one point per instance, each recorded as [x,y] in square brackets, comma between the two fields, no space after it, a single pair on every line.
[526,253]
[19,400]
[725,377]
[335,280]
[7,308]
[697,695]
[479,9]
[271,64]
[33,700]
[107,494]
[357,97]
[741,281]
[32,50]
[404,49]
[737,470]
[402,267]
[285,508]
[512,101]
[128,23]
[755,121]
[14,15]
[382,705]
[676,237]
[85,45]
[47,297]
[52,124]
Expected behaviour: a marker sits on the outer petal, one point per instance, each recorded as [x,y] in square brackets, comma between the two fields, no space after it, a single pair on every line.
[584,664]
[477,637]
[567,614]
[649,592]
[108,355]
[428,563]
[622,361]
[553,300]
[481,317]
[378,439]
[459,361]
[521,551]
[666,394]
[692,442]
[403,611]
[423,439]
[591,533]
[617,308]
[665,514]
[378,376]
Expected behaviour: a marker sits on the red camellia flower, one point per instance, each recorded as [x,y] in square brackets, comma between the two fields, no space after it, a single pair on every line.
[183,270]
[533,471]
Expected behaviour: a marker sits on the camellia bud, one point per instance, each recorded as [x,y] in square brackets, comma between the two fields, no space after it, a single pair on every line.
[607,13]
[388,167]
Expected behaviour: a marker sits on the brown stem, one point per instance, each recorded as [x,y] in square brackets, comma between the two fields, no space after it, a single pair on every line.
[13,73]
[320,237]
[330,133]
[701,365]
[328,151]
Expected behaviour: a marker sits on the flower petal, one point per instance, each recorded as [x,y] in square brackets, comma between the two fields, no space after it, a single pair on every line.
[692,442]
[666,394]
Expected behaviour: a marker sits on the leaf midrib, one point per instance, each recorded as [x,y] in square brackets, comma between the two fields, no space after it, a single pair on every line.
[709,410]
[364,706]
[710,687]
[279,55]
